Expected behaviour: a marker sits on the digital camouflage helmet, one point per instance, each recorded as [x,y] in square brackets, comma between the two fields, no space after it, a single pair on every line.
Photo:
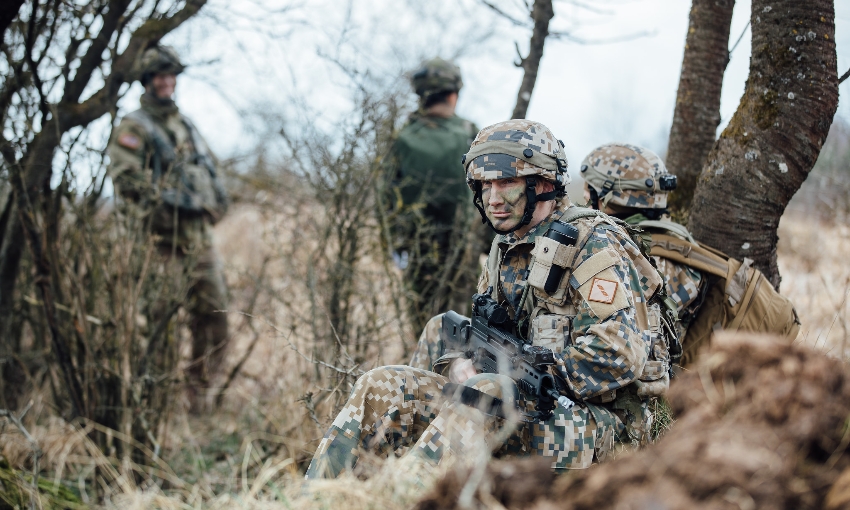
[160,59]
[435,76]
[619,174]
[516,148]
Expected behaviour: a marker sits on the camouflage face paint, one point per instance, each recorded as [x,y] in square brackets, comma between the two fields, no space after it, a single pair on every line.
[505,201]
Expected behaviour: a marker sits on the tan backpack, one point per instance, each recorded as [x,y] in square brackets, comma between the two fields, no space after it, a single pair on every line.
[739,298]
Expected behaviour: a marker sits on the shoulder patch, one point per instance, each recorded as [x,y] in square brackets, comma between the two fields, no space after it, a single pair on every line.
[129,140]
[602,291]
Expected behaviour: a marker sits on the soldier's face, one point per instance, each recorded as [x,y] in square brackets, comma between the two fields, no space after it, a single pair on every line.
[163,85]
[505,200]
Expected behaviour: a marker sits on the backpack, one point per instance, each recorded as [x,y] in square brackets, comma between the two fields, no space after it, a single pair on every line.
[738,297]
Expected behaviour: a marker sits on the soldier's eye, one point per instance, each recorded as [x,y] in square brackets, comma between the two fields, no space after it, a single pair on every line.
[485,186]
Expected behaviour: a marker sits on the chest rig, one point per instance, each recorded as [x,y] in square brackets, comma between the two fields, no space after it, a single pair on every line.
[547,310]
[192,182]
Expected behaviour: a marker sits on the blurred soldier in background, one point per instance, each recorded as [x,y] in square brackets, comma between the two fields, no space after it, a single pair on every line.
[431,211]
[160,162]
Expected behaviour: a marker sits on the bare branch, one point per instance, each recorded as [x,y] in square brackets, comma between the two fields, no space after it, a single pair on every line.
[8,10]
[744,31]
[844,77]
[591,8]
[123,67]
[579,40]
[521,60]
[94,55]
[505,15]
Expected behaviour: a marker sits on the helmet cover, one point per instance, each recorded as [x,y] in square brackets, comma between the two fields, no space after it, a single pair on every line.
[435,76]
[160,59]
[627,175]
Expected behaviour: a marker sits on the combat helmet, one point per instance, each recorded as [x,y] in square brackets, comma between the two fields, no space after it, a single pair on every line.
[160,59]
[619,174]
[516,148]
[435,76]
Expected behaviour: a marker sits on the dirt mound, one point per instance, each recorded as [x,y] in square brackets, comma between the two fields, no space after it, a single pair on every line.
[760,425]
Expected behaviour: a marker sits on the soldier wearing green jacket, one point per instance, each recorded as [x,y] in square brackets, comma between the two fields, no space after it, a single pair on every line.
[160,165]
[430,199]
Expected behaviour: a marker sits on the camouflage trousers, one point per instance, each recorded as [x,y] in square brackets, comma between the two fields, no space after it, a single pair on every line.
[196,262]
[400,410]
[430,347]
[630,409]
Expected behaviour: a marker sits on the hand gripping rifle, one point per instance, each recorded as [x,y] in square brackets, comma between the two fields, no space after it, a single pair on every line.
[493,350]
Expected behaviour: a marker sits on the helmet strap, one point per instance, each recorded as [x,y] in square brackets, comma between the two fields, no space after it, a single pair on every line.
[530,205]
[594,198]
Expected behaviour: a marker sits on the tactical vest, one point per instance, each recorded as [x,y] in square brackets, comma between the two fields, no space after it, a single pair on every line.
[550,316]
[192,185]
[739,298]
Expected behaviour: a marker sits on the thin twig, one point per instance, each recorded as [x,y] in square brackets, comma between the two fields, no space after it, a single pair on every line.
[505,15]
[739,39]
[844,77]
[36,451]
[352,370]
[238,367]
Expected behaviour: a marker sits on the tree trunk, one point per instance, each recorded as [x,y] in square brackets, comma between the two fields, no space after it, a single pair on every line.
[542,13]
[775,136]
[698,99]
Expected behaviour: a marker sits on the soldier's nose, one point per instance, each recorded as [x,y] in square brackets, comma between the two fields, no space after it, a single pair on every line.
[495,199]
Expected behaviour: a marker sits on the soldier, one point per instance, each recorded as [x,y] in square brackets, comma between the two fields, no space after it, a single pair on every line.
[597,322]
[632,183]
[431,201]
[160,163]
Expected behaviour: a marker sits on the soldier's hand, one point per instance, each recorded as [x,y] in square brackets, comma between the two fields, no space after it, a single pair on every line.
[460,370]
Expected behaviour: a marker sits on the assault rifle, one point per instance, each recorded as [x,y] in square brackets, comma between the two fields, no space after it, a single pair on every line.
[485,340]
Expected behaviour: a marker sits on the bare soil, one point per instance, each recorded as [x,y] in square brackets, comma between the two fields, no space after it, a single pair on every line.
[760,425]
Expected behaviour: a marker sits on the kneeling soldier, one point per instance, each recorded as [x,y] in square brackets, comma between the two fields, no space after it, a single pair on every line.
[594,317]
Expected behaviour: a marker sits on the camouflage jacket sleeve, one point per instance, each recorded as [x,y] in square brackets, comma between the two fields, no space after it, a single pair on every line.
[682,283]
[609,344]
[128,159]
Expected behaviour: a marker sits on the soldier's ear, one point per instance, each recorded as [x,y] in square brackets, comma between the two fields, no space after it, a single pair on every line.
[544,186]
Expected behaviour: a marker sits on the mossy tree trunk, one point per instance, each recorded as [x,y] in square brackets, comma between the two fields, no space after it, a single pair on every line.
[775,136]
[697,111]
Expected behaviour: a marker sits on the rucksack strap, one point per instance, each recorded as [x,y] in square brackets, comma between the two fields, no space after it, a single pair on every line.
[164,151]
[689,254]
[576,213]
[668,226]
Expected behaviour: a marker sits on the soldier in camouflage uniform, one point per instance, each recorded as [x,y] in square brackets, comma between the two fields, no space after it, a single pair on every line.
[430,202]
[160,164]
[632,183]
[597,322]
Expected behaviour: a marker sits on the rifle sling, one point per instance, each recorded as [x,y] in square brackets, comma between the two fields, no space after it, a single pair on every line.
[471,397]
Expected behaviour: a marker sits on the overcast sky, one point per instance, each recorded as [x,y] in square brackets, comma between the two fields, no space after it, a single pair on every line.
[243,57]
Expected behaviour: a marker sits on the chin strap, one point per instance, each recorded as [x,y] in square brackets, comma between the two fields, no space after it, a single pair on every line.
[594,198]
[530,204]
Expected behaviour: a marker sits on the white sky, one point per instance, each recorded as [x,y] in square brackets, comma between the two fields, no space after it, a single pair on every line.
[587,94]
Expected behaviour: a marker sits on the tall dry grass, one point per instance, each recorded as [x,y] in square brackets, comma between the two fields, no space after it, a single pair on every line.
[289,368]
[816,277]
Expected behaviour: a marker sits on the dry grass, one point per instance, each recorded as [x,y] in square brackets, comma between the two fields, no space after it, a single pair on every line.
[816,277]
[250,452]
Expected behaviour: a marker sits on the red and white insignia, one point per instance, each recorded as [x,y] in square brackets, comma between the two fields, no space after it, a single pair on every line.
[602,291]
[129,140]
